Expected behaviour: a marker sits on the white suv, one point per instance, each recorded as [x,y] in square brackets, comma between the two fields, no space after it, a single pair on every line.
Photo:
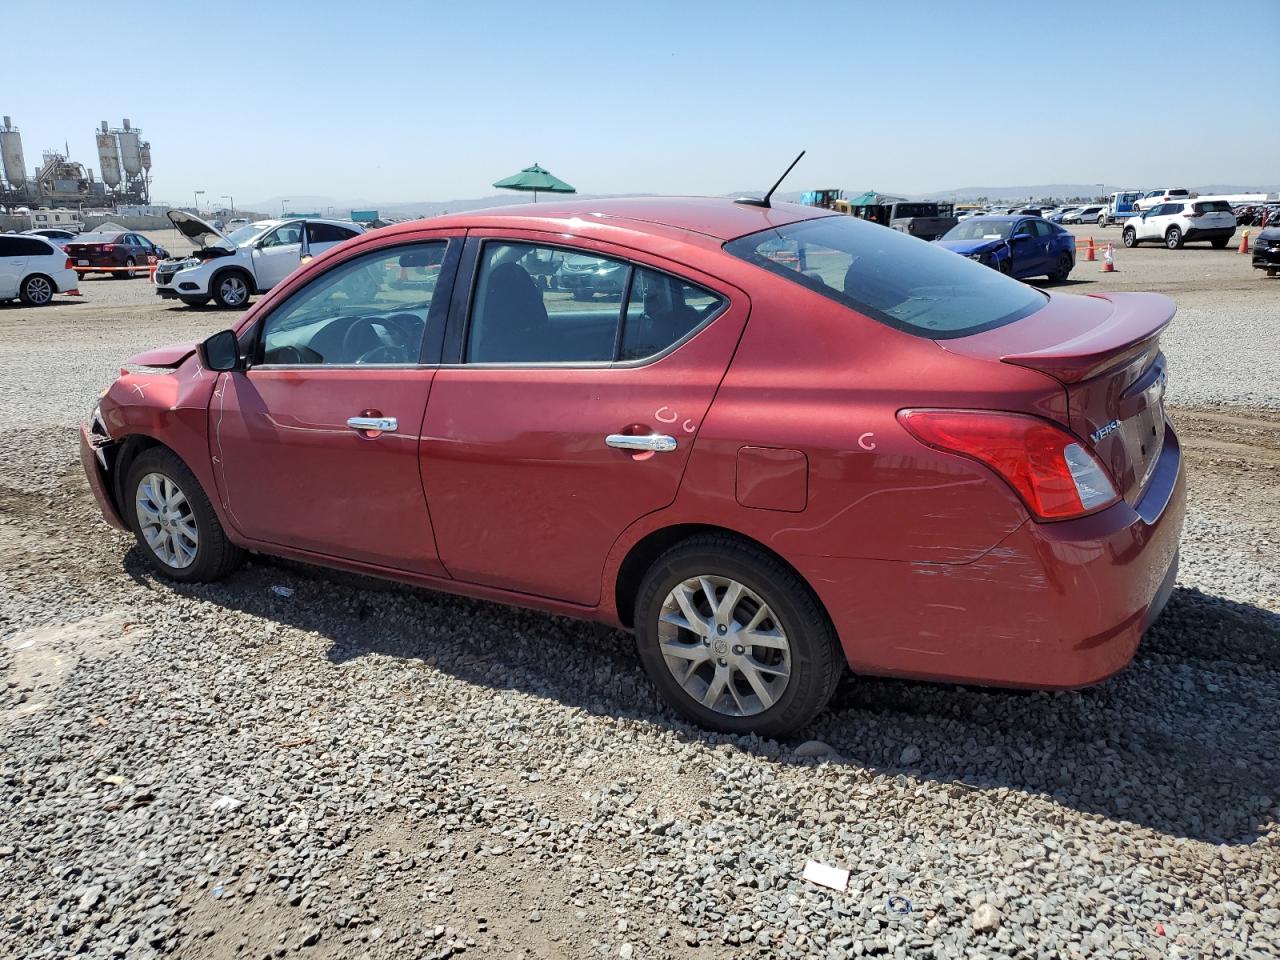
[33,269]
[1153,198]
[1173,224]
[229,268]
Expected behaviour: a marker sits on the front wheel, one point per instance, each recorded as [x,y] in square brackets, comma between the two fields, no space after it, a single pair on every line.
[231,291]
[176,527]
[36,291]
[1102,221]
[734,640]
[1130,237]
[582,293]
[1173,238]
[1219,243]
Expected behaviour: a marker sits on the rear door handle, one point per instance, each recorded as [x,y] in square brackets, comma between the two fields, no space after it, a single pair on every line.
[653,442]
[381,424]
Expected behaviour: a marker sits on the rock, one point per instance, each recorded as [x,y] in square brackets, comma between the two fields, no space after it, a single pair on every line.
[815,748]
[910,756]
[985,918]
[626,951]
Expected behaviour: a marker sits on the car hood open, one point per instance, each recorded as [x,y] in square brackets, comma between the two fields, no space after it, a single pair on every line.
[171,355]
[198,231]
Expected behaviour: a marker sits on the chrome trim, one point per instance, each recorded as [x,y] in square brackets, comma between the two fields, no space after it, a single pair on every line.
[373,423]
[652,442]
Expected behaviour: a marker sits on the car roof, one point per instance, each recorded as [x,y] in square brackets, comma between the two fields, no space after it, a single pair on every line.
[717,218]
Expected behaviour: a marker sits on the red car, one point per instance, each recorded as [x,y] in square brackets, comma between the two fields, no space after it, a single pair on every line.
[114,253]
[797,440]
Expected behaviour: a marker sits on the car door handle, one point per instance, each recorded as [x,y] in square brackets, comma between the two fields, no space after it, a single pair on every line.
[653,442]
[381,424]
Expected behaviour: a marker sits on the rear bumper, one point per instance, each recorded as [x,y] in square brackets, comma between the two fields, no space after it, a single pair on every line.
[1208,233]
[1054,605]
[95,472]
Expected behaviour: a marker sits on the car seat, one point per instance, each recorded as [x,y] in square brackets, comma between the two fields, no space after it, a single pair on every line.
[511,317]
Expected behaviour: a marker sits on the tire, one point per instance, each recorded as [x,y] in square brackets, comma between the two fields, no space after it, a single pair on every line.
[194,301]
[125,274]
[1173,238]
[231,290]
[1005,266]
[36,291]
[1219,243]
[1102,220]
[190,544]
[1063,270]
[580,294]
[812,656]
[1130,237]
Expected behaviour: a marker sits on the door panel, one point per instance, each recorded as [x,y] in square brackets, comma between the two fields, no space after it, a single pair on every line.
[525,494]
[292,472]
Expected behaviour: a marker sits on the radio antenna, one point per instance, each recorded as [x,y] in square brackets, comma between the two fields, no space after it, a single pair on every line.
[764,201]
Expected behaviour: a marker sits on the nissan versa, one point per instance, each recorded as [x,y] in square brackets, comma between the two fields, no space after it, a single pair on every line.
[798,440]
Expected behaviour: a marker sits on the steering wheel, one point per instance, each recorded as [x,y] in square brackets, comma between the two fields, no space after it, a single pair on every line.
[392,343]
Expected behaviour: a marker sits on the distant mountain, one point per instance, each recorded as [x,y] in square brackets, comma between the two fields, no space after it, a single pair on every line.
[1063,190]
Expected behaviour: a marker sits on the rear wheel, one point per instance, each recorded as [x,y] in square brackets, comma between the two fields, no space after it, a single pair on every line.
[175,525]
[231,291]
[1173,238]
[1102,220]
[581,293]
[127,273]
[1219,243]
[1063,268]
[1130,237]
[36,291]
[734,640]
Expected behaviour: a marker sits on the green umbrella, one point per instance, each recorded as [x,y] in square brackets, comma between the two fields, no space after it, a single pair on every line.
[534,179]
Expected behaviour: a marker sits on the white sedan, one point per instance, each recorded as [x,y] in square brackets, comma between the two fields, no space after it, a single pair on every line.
[33,269]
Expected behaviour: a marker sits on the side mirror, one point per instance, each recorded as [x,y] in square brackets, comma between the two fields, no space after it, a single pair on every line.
[221,351]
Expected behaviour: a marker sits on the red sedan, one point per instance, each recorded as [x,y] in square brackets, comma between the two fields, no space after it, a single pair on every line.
[795,440]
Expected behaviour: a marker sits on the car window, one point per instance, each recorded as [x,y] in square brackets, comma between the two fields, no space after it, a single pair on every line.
[371,309]
[919,288]
[536,304]
[1044,228]
[327,233]
[661,311]
[26,247]
[1025,229]
[283,235]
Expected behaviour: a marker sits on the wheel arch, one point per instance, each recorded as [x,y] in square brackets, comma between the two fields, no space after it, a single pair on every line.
[220,272]
[642,554]
[126,451]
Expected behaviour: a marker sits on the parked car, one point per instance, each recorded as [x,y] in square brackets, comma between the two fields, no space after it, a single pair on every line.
[1059,216]
[940,473]
[59,237]
[1020,247]
[230,268]
[1266,251]
[33,269]
[122,255]
[585,277]
[1153,198]
[1086,214]
[1174,224]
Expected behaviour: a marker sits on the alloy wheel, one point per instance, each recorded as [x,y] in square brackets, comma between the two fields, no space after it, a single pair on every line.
[166,521]
[724,645]
[234,290]
[39,291]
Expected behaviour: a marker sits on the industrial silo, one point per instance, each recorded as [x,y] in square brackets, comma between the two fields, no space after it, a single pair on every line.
[108,157]
[144,153]
[129,155]
[15,166]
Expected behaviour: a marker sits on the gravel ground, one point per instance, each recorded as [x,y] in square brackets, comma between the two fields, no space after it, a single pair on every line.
[363,770]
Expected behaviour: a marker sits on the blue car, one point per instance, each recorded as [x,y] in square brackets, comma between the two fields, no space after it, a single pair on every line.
[1018,246]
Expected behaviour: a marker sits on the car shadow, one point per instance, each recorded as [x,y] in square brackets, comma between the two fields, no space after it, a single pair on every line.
[1069,282]
[1185,741]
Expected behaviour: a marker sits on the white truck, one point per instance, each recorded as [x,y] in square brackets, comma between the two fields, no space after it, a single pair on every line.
[1120,206]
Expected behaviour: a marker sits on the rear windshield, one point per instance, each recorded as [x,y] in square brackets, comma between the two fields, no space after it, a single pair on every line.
[906,283]
[915,210]
[1212,206]
[97,237]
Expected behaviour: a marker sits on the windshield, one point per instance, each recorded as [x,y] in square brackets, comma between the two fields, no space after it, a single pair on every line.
[906,283]
[914,210]
[980,230]
[238,237]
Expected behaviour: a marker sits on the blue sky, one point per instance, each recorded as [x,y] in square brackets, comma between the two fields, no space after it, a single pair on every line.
[433,101]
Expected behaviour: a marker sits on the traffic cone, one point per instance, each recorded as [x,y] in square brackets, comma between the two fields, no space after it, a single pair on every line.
[74,293]
[1109,259]
[1088,254]
[151,269]
[1244,242]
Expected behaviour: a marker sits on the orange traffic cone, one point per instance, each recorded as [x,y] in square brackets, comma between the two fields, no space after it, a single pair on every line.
[74,293]
[151,269]
[1088,254]
[1109,259]
[1244,242]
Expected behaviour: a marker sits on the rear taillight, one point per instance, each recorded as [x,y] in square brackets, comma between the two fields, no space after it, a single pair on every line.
[69,263]
[108,247]
[1056,477]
